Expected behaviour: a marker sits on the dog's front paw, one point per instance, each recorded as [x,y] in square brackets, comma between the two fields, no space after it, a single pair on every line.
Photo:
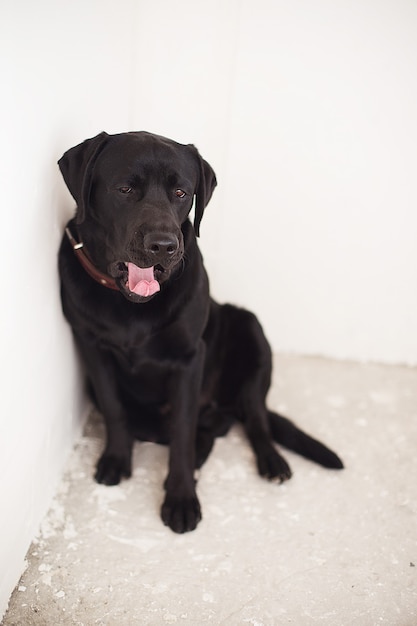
[111,469]
[273,466]
[181,514]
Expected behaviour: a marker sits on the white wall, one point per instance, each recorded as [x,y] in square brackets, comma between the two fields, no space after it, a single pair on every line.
[323,150]
[307,112]
[61,81]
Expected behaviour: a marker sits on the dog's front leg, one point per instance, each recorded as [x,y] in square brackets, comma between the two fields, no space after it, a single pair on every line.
[116,461]
[181,508]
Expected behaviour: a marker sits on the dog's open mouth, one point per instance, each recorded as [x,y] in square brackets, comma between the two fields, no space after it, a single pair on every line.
[142,281]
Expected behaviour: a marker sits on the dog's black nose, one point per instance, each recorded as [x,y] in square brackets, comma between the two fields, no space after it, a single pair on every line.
[161,244]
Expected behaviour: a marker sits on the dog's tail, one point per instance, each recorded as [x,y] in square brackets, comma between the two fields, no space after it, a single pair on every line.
[288,435]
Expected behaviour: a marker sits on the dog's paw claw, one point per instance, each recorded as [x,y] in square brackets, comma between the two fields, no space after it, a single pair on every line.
[111,469]
[181,515]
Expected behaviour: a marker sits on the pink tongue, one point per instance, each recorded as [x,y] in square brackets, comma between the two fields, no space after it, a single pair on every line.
[141,280]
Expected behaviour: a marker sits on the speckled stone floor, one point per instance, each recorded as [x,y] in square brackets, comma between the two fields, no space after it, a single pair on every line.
[328,547]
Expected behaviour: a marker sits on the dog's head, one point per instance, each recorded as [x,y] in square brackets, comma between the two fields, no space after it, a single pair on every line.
[134,192]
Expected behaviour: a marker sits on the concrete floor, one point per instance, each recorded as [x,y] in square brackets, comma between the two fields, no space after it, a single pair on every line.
[328,547]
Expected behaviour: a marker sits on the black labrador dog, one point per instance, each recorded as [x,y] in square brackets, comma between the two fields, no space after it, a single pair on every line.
[165,362]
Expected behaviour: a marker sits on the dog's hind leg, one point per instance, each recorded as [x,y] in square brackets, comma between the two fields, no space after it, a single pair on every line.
[244,384]
[254,416]
[250,353]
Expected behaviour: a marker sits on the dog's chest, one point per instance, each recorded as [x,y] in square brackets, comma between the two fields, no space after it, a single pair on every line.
[138,346]
[143,365]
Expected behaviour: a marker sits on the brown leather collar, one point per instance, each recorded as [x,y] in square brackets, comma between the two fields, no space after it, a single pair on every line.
[102,279]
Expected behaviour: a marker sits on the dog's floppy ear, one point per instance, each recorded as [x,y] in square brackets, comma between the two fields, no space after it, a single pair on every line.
[77,166]
[205,187]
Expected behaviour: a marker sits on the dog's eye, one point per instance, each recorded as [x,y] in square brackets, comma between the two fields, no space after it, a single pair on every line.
[125,190]
[180,193]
